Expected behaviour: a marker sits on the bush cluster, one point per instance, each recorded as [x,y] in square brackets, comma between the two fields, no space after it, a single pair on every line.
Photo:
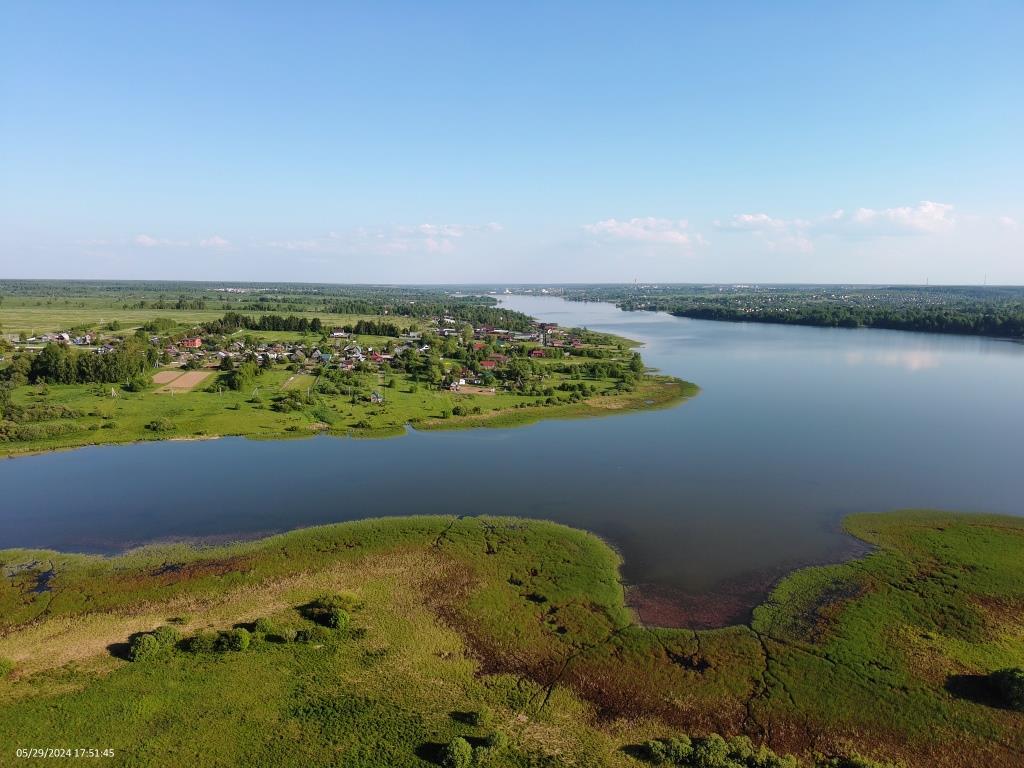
[317,634]
[457,753]
[1009,686]
[147,645]
[852,761]
[329,611]
[713,751]
[225,641]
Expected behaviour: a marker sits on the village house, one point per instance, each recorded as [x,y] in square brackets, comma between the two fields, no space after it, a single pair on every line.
[193,342]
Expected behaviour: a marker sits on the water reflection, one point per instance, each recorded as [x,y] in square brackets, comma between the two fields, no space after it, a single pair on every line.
[909,360]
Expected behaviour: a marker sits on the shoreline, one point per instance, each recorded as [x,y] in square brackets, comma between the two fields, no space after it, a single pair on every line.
[529,617]
[635,402]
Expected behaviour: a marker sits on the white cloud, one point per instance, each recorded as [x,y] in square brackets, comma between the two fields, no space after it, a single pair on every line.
[777,234]
[148,241]
[216,241]
[926,216]
[1008,222]
[752,222]
[646,229]
[799,235]
[420,238]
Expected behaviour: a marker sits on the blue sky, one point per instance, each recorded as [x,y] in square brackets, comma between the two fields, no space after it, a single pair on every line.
[542,142]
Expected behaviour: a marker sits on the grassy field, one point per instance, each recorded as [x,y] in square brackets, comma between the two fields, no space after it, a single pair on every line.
[211,410]
[46,315]
[371,404]
[471,626]
[96,414]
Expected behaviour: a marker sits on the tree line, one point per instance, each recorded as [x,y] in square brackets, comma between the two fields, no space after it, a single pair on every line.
[60,364]
[236,321]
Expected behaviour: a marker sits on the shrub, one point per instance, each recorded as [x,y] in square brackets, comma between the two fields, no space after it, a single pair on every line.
[312,635]
[203,642]
[167,636]
[264,627]
[713,751]
[457,754]
[137,383]
[143,646]
[1009,684]
[495,740]
[669,751]
[232,640]
[482,717]
[852,761]
[160,425]
[6,667]
[329,611]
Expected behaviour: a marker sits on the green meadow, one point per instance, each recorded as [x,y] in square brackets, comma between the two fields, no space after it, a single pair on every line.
[513,635]
[34,314]
[97,414]
[372,403]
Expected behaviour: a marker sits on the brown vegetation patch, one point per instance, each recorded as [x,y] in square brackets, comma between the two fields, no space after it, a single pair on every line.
[728,602]
[201,568]
[186,381]
[165,377]
[472,389]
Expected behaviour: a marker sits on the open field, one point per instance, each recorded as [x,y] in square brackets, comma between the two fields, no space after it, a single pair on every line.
[470,389]
[199,410]
[185,382]
[523,620]
[166,377]
[298,381]
[34,316]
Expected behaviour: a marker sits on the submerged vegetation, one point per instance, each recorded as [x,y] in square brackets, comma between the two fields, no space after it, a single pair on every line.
[436,641]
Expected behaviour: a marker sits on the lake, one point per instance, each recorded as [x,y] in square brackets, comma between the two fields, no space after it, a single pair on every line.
[709,502]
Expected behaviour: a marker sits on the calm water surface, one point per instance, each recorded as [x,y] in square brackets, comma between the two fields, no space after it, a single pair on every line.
[708,502]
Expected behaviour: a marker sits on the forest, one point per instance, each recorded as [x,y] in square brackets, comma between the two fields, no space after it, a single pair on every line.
[996,311]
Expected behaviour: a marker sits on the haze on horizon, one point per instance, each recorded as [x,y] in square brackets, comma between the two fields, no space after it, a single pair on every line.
[535,143]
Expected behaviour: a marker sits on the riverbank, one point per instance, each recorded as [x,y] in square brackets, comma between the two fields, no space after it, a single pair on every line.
[652,392]
[227,415]
[271,384]
[525,621]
